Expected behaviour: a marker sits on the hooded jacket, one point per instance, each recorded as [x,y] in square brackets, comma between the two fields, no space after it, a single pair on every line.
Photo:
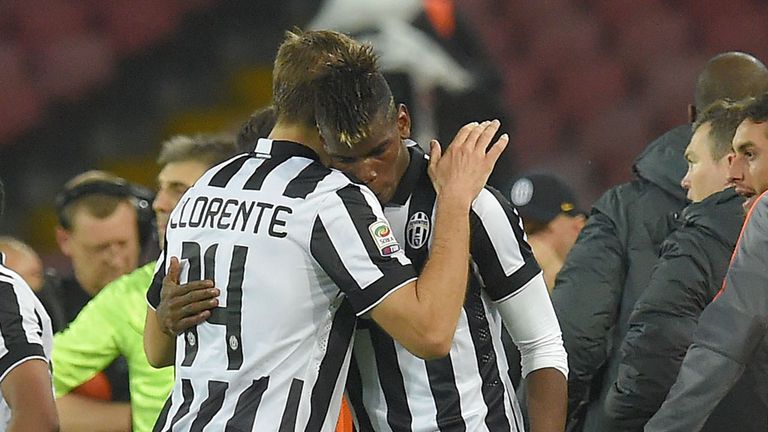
[731,338]
[694,260]
[610,266]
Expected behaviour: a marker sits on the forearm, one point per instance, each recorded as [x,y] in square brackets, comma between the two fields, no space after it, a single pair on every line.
[159,347]
[441,287]
[80,413]
[546,395]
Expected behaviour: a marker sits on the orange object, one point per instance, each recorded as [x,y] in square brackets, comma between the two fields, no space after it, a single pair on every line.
[345,418]
[442,16]
[97,387]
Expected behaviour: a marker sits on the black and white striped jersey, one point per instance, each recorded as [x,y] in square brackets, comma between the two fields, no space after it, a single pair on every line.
[298,251]
[392,390]
[25,329]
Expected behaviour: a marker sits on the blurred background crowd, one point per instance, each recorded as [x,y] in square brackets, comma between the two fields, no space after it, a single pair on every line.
[583,85]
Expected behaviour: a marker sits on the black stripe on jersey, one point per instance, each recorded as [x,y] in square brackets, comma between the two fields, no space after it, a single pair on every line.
[188,394]
[422,200]
[163,416]
[325,253]
[190,251]
[225,174]
[247,405]
[355,396]
[12,330]
[260,173]
[153,293]
[391,378]
[217,390]
[288,422]
[306,182]
[442,383]
[497,284]
[485,353]
[339,340]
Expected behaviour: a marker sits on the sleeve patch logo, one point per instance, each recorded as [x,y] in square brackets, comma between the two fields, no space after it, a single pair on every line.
[383,238]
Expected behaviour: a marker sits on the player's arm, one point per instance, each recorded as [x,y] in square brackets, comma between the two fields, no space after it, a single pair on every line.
[27,390]
[531,322]
[106,416]
[422,315]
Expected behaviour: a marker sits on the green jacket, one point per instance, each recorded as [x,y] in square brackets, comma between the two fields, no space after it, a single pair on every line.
[110,325]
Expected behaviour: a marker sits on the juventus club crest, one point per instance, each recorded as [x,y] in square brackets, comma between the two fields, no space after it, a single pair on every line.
[417,231]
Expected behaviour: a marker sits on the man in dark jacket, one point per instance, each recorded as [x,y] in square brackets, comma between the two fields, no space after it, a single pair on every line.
[732,335]
[611,263]
[690,271]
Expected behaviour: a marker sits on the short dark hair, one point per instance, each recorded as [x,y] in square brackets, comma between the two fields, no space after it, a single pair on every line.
[258,125]
[723,117]
[208,149]
[300,59]
[731,75]
[756,109]
[349,95]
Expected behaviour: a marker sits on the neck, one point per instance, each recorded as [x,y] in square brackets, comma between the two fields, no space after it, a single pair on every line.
[301,134]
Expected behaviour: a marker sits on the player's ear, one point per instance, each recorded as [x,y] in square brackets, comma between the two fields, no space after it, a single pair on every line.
[403,121]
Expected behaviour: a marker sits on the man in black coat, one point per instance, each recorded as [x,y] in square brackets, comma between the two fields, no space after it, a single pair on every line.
[732,335]
[690,271]
[611,263]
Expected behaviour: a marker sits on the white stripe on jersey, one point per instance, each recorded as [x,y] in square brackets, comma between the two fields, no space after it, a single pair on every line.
[504,241]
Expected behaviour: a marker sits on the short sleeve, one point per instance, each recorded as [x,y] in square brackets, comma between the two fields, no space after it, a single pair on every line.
[21,327]
[153,293]
[353,243]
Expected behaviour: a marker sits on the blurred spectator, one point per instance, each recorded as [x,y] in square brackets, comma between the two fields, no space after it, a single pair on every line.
[99,216]
[610,265]
[731,334]
[690,271]
[102,219]
[550,218]
[22,259]
[112,324]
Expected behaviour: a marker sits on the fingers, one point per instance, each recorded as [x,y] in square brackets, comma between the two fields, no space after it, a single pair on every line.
[497,148]
[189,322]
[463,133]
[435,152]
[487,134]
[174,270]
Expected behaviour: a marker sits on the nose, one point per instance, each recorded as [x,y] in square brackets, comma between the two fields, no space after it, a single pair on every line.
[735,168]
[366,172]
[162,202]
[686,181]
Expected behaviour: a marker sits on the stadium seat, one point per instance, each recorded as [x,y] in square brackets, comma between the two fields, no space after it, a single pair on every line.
[67,69]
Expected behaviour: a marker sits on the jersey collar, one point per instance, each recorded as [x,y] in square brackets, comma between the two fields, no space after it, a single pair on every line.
[416,167]
[267,148]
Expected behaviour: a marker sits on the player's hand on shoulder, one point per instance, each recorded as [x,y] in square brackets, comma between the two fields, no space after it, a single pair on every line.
[184,306]
[461,173]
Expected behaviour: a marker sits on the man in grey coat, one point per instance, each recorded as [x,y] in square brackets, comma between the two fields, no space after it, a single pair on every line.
[732,336]
[611,263]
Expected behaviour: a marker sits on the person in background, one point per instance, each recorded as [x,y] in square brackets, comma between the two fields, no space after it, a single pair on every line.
[690,271]
[112,323]
[731,335]
[25,337]
[551,219]
[611,263]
